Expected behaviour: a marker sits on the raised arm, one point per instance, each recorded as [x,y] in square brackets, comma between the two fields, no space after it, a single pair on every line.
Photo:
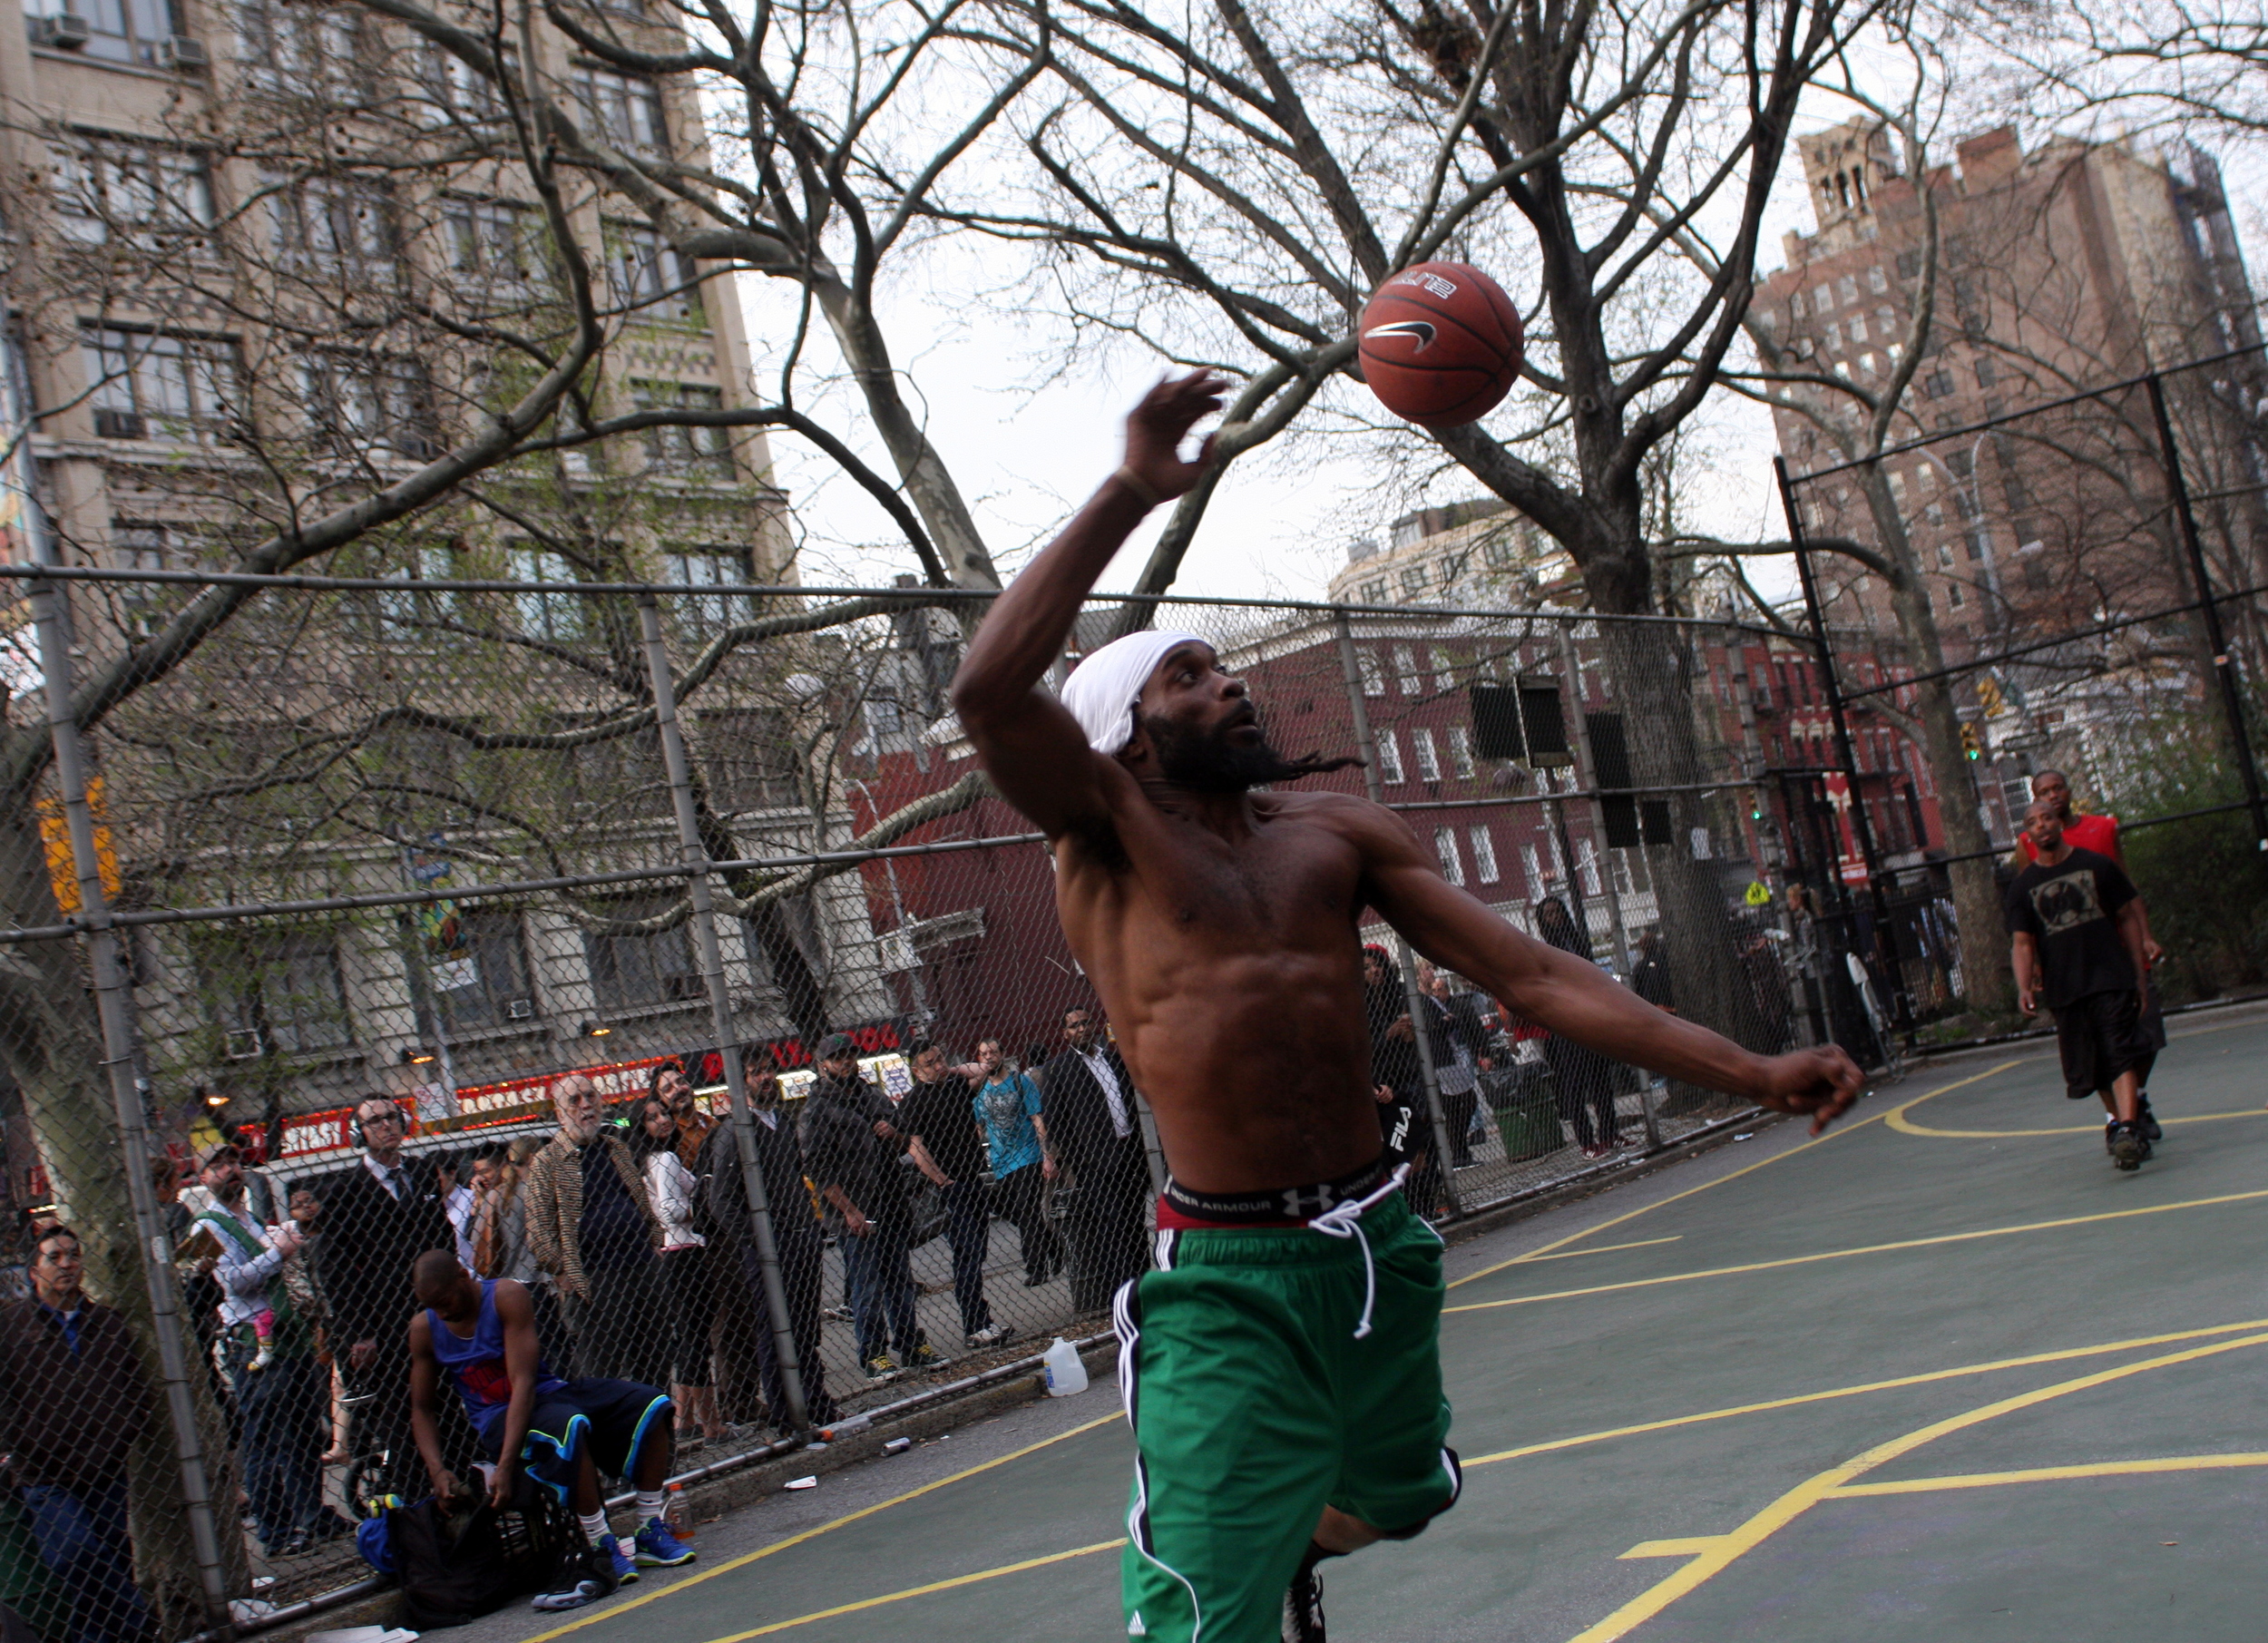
[1028,743]
[1575,999]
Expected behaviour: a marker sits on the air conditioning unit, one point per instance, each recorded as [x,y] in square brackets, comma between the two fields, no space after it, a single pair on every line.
[520,1010]
[62,33]
[184,54]
[121,424]
[243,1043]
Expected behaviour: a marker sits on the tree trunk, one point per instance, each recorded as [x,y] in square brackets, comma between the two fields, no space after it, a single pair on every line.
[1986,983]
[53,1050]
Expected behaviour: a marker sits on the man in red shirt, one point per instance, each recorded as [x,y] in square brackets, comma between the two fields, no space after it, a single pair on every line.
[2100,834]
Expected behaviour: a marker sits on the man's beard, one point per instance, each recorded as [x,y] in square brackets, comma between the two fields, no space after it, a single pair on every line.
[1209,762]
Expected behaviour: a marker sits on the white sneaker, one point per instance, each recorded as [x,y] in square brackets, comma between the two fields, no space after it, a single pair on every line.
[991,1337]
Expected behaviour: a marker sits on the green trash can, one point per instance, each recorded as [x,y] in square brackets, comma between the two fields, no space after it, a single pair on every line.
[1528,1118]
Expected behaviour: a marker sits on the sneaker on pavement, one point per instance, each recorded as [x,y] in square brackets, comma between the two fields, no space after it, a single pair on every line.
[926,1356]
[611,1554]
[1303,1607]
[2127,1148]
[880,1366]
[2151,1129]
[993,1334]
[583,1582]
[659,1549]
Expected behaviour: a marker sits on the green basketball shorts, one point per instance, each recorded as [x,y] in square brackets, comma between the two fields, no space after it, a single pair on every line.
[1255,1404]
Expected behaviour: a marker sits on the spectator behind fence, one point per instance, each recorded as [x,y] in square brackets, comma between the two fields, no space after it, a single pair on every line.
[268,1346]
[592,1228]
[794,1230]
[674,1087]
[1584,1078]
[851,1145]
[1649,974]
[1460,1032]
[675,1193]
[1395,1077]
[1015,1134]
[304,1206]
[72,1401]
[379,1215]
[449,1170]
[1087,1104]
[942,1133]
[500,1235]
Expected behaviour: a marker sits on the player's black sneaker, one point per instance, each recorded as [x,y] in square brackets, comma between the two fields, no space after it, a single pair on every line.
[2151,1130]
[2127,1146]
[1303,1605]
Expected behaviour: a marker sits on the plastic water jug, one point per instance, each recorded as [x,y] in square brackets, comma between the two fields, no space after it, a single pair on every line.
[1066,1375]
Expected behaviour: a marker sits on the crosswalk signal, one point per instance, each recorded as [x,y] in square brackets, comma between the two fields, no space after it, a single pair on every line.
[1971,742]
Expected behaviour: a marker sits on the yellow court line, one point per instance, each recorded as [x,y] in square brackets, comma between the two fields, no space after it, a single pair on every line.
[2045,1474]
[1692,1545]
[1568,1254]
[1837,1255]
[1539,1253]
[829,1527]
[923,1592]
[1925,1378]
[1906,1126]
[1728,1549]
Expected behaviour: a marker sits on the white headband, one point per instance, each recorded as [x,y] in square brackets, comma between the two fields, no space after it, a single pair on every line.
[1103,688]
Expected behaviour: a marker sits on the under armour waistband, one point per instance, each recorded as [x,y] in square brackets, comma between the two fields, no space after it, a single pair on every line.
[1182,1207]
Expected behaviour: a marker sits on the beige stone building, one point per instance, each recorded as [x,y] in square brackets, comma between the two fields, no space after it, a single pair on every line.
[1477,552]
[259,259]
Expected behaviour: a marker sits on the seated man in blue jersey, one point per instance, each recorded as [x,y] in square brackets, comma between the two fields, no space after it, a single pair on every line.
[481,1332]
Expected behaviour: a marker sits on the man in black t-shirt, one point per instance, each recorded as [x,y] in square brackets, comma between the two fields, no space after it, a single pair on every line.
[940,1125]
[2077,927]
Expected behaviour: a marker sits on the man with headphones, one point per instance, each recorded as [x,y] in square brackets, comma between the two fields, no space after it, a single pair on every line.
[379,1215]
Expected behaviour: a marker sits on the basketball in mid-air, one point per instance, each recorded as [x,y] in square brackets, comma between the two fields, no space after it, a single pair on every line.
[1440,344]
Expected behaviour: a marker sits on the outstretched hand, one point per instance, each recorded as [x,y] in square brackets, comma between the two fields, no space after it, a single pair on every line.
[1156,428]
[1823,1082]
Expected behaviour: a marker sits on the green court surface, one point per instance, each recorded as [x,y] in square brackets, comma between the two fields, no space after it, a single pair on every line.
[1942,1373]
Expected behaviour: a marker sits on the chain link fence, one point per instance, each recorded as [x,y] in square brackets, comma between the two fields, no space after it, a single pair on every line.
[2075,587]
[521,918]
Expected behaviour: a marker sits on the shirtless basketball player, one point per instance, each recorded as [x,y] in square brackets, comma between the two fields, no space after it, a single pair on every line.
[1281,1368]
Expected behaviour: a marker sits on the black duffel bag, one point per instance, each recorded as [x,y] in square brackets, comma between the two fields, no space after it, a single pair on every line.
[459,1565]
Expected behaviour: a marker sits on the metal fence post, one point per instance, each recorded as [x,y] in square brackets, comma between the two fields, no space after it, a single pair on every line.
[1428,1075]
[695,855]
[2224,662]
[114,1010]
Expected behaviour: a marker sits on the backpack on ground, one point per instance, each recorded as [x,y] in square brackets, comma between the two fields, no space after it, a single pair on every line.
[458,1566]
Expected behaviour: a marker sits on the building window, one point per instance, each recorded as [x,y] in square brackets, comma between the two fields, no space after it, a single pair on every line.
[1461,751]
[364,403]
[414,605]
[556,616]
[1847,287]
[632,972]
[477,975]
[140,193]
[1374,673]
[1413,580]
[275,994]
[1389,756]
[692,449]
[493,244]
[1822,297]
[710,567]
[1952,596]
[338,227]
[649,276]
[1795,305]
[1910,265]
[751,752]
[1405,667]
[1371,593]
[1938,384]
[1858,327]
[295,50]
[624,110]
[1445,670]
[145,385]
[1532,870]
[1834,335]
[124,30]
[456,94]
[1876,280]
[1428,761]
[1483,854]
[1445,847]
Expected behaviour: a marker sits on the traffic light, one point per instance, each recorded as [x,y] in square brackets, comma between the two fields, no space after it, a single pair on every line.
[1971,742]
[1989,697]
